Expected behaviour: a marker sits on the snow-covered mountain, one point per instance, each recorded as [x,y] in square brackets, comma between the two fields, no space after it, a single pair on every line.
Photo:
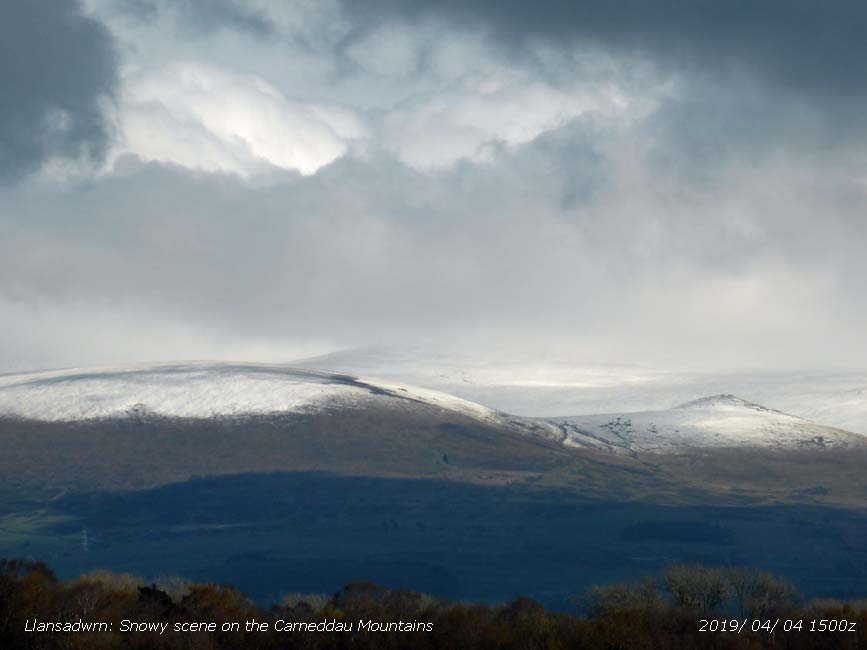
[712,422]
[206,390]
[202,390]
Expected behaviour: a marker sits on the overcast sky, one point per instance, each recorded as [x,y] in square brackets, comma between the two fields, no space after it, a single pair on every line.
[659,183]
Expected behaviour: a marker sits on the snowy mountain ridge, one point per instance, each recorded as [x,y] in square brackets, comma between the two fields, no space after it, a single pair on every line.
[203,390]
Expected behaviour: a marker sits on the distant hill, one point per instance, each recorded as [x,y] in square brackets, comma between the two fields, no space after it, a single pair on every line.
[710,422]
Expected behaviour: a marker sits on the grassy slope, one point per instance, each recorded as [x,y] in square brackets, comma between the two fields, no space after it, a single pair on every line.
[39,460]
[137,454]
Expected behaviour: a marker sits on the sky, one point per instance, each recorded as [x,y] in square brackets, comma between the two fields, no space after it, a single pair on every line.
[658,183]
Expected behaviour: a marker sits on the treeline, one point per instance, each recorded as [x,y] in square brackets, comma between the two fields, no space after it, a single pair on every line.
[662,613]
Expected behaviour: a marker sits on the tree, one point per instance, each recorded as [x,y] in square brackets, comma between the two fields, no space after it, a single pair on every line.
[697,587]
[606,600]
[758,593]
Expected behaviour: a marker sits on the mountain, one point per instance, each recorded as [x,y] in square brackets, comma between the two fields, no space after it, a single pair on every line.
[720,421]
[201,391]
[276,477]
[141,427]
[120,428]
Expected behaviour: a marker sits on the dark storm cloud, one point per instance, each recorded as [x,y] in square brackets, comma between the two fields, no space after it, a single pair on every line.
[807,44]
[740,82]
[56,66]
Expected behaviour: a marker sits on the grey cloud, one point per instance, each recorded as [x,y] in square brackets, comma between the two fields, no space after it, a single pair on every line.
[804,43]
[554,242]
[750,77]
[56,66]
[358,251]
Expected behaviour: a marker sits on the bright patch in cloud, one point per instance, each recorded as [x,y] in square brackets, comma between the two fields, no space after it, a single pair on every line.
[207,118]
